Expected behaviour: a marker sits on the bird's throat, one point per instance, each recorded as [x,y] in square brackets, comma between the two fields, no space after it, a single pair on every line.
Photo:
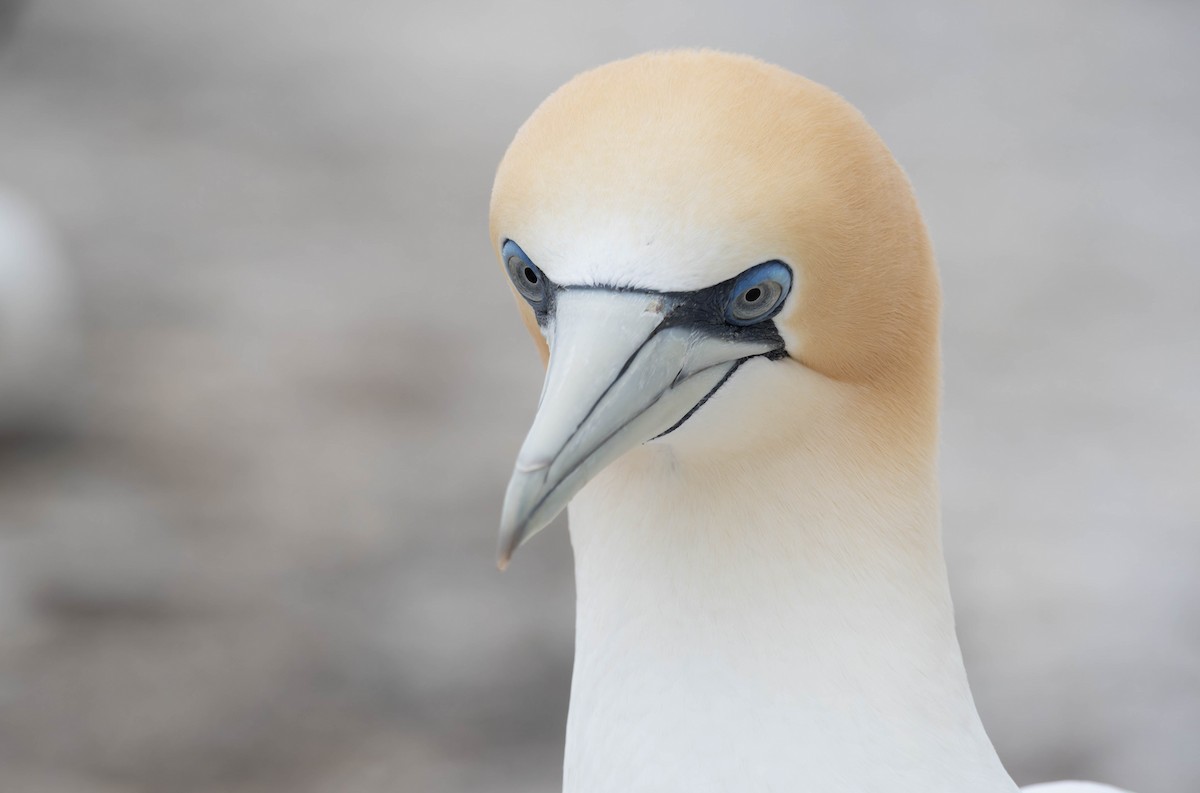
[774,627]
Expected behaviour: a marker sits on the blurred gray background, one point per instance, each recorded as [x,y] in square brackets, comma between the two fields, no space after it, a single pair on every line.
[247,524]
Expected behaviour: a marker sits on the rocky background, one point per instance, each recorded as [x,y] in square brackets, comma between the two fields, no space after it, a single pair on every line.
[247,516]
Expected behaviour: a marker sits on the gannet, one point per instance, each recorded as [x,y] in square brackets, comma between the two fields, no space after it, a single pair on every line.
[730,281]
[38,328]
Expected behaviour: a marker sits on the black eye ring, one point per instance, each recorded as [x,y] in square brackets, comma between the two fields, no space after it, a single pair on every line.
[758,294]
[526,277]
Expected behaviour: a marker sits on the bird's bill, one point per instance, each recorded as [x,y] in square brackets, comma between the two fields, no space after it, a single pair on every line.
[620,374]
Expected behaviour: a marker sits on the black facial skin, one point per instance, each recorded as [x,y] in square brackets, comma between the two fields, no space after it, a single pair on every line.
[703,311]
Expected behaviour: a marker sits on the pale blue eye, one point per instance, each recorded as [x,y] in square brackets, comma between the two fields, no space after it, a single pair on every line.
[758,293]
[525,275]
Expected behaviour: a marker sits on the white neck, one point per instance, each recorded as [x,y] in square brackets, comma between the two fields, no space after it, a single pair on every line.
[776,625]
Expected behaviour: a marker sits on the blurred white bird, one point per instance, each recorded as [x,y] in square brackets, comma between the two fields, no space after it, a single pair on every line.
[730,279]
[38,323]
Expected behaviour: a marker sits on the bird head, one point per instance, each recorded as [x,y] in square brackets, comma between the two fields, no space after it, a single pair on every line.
[685,230]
